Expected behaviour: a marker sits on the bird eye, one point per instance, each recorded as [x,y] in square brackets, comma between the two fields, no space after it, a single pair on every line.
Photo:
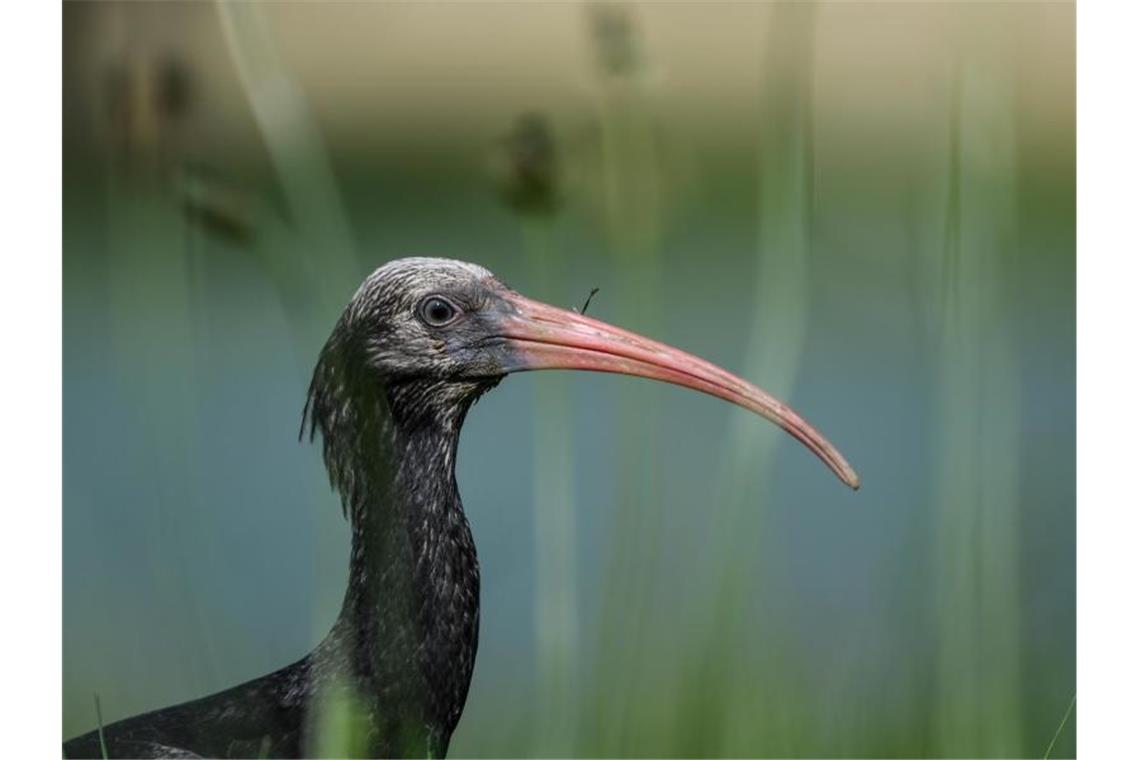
[437,311]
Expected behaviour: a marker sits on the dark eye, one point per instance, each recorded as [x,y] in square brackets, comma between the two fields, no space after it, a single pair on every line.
[437,311]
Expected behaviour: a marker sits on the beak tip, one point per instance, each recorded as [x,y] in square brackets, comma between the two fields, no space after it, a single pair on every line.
[853,481]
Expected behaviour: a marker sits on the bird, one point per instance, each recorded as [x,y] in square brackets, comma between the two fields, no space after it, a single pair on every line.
[417,345]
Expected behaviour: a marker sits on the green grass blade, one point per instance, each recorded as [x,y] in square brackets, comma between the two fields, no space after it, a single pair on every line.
[103,741]
[1064,720]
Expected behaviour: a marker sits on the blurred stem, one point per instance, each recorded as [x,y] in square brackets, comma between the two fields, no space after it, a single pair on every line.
[976,431]
[555,525]
[310,253]
[778,326]
[103,739]
[781,293]
[1060,727]
[153,337]
[632,191]
[322,272]
[340,723]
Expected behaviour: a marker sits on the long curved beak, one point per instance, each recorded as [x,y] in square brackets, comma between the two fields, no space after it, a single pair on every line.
[546,337]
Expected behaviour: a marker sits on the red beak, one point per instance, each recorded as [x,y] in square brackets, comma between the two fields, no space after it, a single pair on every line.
[546,337]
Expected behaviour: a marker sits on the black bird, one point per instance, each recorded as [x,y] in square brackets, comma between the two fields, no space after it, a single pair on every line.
[419,343]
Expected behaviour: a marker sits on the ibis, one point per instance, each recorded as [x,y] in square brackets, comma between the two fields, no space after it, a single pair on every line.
[419,343]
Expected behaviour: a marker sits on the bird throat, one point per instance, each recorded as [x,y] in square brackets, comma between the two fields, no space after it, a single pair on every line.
[407,633]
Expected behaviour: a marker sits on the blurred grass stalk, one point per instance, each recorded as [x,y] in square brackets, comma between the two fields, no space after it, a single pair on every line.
[152,260]
[308,252]
[976,429]
[312,256]
[341,724]
[778,327]
[310,260]
[631,187]
[709,704]
[555,527]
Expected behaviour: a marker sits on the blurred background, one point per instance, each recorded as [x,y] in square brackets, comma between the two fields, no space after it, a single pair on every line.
[867,209]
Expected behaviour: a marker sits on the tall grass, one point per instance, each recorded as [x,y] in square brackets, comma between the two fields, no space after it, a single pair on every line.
[777,329]
[631,191]
[307,248]
[311,257]
[555,527]
[976,428]
[1060,727]
[154,324]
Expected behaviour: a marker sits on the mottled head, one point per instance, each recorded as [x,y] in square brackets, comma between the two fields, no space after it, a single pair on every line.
[423,338]
[424,319]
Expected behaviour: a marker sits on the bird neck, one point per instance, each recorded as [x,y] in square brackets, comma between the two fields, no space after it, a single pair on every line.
[408,525]
[410,614]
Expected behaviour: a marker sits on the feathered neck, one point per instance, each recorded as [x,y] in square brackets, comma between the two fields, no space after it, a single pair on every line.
[408,628]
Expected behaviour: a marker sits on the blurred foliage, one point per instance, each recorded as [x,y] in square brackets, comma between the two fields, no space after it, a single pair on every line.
[528,166]
[866,208]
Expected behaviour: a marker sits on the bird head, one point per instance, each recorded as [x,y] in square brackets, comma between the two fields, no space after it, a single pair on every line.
[427,336]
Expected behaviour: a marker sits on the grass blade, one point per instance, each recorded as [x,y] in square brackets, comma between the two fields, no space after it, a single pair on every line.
[1064,720]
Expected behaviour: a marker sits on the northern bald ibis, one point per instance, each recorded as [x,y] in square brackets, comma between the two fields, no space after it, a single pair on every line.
[420,341]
